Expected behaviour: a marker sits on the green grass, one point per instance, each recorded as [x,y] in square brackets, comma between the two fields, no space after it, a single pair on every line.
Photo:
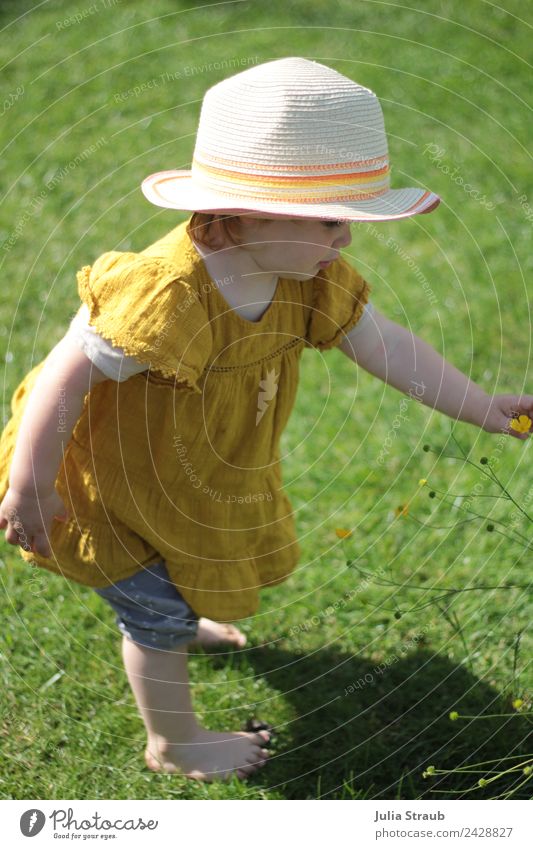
[450,74]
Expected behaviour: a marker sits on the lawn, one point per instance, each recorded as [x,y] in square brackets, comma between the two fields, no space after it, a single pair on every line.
[353,660]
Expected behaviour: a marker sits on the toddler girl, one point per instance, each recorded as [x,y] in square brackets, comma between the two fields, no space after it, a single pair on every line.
[142,457]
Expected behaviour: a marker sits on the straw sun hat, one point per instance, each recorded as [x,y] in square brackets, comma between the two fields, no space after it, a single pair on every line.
[290,137]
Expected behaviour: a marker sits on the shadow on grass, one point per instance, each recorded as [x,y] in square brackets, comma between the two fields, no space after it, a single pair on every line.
[375,741]
[355,734]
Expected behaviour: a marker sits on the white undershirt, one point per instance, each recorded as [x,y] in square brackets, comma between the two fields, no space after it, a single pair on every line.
[114,363]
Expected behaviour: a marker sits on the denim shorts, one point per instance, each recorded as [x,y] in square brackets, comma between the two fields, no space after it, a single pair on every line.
[150,610]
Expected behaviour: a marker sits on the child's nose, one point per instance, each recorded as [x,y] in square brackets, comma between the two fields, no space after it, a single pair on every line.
[345,237]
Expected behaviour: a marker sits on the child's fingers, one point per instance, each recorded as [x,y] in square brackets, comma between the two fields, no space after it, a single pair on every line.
[40,545]
[515,435]
[12,536]
[521,404]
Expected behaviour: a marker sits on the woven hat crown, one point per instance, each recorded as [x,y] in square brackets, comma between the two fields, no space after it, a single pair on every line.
[290,137]
[290,126]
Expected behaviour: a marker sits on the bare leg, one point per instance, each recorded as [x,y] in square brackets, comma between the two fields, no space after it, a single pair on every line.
[176,743]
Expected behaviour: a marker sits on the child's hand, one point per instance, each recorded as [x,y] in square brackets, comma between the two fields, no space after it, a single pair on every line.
[512,414]
[27,519]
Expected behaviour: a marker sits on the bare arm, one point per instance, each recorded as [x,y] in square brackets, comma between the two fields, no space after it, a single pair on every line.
[52,410]
[403,360]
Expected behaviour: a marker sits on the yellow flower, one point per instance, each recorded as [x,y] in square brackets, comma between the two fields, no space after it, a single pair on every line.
[521,425]
[422,482]
[454,715]
[402,510]
[342,533]
[517,704]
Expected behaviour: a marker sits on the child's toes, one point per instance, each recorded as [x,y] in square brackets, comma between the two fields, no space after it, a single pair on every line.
[246,770]
[264,738]
[235,636]
[260,760]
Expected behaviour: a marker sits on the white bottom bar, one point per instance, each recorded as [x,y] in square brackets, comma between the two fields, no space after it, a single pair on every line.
[313,824]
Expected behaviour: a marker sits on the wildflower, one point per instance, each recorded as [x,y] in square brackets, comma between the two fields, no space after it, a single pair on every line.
[521,425]
[490,527]
[527,770]
[422,482]
[343,533]
[402,510]
[397,614]
[517,704]
[429,771]
[454,715]
[432,494]
[426,448]
[484,461]
[483,782]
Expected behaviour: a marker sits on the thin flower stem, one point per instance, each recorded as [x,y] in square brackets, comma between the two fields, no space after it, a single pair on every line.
[454,792]
[493,715]
[509,793]
[460,447]
[516,650]
[490,761]
[441,527]
[464,455]
[505,772]
[385,582]
[464,495]
[508,494]
[489,472]
[516,538]
[452,619]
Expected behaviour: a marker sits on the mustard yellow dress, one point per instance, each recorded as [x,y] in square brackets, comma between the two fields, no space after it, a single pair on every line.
[182,461]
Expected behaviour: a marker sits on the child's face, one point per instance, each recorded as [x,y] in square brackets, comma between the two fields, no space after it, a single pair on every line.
[297,248]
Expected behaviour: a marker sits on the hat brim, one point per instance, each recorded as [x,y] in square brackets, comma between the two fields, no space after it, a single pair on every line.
[178,190]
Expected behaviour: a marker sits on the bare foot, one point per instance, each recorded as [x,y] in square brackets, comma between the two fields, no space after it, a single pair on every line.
[212,633]
[210,755]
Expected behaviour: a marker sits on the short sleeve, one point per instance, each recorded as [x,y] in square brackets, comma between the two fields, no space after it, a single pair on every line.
[338,303]
[140,305]
[112,361]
